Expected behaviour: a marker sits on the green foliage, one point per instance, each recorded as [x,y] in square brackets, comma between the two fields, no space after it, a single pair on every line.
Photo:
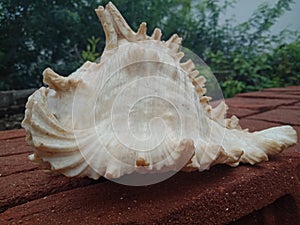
[91,53]
[285,63]
[40,34]
[232,87]
[62,34]
[247,57]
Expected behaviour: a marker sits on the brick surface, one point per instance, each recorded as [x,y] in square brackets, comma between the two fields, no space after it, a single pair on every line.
[297,128]
[295,107]
[285,91]
[19,188]
[240,112]
[269,95]
[280,115]
[15,164]
[260,104]
[14,146]
[217,196]
[256,125]
[267,193]
[294,87]
[291,92]
[11,134]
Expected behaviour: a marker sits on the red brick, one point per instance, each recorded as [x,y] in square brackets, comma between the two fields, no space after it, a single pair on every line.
[14,146]
[297,128]
[283,91]
[19,188]
[217,196]
[291,92]
[257,103]
[295,107]
[10,134]
[280,115]
[256,125]
[278,90]
[15,164]
[240,112]
[294,87]
[269,95]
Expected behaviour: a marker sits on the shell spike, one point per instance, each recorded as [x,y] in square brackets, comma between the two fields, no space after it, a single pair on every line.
[122,28]
[200,81]
[174,43]
[179,56]
[205,99]
[188,66]
[156,34]
[174,39]
[52,79]
[142,29]
[193,74]
[57,82]
[109,30]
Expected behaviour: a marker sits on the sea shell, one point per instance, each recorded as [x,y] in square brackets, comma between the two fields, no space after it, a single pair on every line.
[140,110]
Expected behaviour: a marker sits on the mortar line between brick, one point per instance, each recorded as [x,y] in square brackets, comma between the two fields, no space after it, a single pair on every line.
[272,121]
[11,138]
[5,207]
[17,172]
[269,109]
[17,153]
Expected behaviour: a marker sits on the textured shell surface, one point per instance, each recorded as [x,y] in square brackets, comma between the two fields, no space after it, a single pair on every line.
[140,110]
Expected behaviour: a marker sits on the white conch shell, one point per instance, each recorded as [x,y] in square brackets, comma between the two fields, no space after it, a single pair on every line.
[139,110]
